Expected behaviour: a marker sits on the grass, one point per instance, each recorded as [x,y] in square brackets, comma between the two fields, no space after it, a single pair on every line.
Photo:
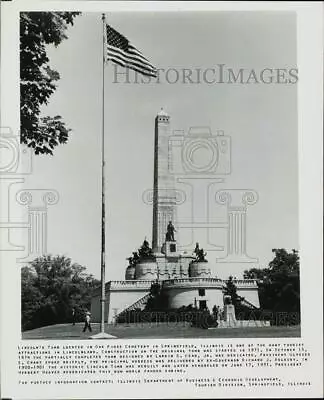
[158,331]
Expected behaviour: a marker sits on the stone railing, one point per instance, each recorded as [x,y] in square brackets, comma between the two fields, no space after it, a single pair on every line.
[244,283]
[178,282]
[136,284]
[208,282]
[193,282]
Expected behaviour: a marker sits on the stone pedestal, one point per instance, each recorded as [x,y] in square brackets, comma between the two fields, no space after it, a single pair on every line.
[229,314]
[170,249]
[199,270]
[146,270]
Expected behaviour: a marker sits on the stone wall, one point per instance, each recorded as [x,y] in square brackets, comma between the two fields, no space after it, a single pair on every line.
[250,294]
[180,292]
[119,295]
[178,297]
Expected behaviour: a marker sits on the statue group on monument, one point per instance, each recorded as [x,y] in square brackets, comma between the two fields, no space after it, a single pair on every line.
[144,253]
[133,260]
[200,254]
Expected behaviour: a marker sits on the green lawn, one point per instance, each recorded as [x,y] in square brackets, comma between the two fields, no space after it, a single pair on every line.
[161,330]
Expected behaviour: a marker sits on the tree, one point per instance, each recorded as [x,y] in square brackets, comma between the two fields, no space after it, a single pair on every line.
[38,79]
[157,300]
[284,262]
[279,284]
[256,273]
[51,287]
[231,290]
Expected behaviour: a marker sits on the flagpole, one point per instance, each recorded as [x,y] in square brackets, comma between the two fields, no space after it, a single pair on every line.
[103,202]
[145,69]
[102,334]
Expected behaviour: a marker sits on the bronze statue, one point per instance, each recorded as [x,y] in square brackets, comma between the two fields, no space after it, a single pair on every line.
[132,261]
[200,254]
[135,257]
[169,237]
[196,248]
[145,251]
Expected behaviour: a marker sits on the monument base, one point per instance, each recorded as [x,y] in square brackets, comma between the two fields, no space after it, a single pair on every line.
[242,324]
[229,311]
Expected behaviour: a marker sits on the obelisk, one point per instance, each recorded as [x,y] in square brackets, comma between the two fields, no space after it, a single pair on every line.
[164,196]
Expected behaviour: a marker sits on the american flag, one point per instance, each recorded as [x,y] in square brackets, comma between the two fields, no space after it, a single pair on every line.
[121,52]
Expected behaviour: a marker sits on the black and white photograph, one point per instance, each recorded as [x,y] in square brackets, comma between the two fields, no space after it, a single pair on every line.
[180,168]
[160,199]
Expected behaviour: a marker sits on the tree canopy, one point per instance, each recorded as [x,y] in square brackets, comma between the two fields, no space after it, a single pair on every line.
[279,283]
[157,300]
[38,80]
[51,287]
[230,290]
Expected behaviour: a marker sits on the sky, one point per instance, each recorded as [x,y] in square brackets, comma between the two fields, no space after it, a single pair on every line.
[261,120]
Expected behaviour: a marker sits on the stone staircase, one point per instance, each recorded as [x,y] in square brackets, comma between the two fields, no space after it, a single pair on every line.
[139,304]
[248,304]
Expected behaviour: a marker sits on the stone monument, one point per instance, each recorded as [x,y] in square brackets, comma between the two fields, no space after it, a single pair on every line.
[229,311]
[164,196]
[185,277]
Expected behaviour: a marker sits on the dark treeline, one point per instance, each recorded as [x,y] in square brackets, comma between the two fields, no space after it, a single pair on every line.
[50,288]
